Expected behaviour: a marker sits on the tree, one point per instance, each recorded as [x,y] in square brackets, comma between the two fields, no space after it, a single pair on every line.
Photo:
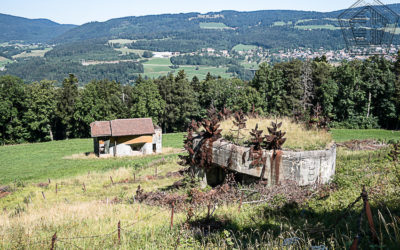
[147,54]
[396,70]
[99,101]
[269,82]
[67,98]
[146,101]
[12,107]
[180,102]
[40,116]
[325,88]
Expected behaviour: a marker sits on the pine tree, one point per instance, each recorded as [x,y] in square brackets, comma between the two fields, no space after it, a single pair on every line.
[67,98]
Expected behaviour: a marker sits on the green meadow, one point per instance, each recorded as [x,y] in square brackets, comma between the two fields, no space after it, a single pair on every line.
[157,67]
[213,25]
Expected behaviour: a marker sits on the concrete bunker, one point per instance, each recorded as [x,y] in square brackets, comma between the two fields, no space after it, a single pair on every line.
[302,167]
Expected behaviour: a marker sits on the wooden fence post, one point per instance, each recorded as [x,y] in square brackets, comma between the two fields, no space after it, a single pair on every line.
[172,214]
[119,232]
[53,241]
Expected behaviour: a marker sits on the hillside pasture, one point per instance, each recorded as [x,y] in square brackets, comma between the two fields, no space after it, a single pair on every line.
[157,67]
[4,61]
[33,53]
[244,47]
[213,25]
[126,51]
[121,41]
[317,27]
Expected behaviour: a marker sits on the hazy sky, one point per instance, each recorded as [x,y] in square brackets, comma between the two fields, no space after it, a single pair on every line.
[82,11]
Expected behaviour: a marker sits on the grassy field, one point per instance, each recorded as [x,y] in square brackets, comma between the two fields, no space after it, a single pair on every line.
[4,61]
[247,65]
[243,47]
[341,135]
[87,207]
[33,53]
[214,26]
[315,27]
[121,41]
[156,67]
[40,161]
[126,51]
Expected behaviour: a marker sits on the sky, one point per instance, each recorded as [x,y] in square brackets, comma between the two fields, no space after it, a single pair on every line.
[83,11]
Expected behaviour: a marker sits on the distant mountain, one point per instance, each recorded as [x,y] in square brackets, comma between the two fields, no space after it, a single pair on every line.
[14,28]
[221,30]
[274,29]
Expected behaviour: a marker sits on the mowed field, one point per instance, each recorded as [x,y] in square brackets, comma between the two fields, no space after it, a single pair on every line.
[33,53]
[157,67]
[244,47]
[213,25]
[341,135]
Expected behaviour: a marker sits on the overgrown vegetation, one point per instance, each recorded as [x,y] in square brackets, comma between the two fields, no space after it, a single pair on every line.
[298,136]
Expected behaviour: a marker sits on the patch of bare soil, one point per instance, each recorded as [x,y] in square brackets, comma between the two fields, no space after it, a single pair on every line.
[357,145]
[4,191]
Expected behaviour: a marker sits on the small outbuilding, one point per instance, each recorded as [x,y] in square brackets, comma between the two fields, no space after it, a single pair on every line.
[126,137]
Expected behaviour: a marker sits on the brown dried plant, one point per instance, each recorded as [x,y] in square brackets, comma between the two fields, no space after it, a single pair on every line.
[275,140]
[256,149]
[225,114]
[210,134]
[317,119]
[240,123]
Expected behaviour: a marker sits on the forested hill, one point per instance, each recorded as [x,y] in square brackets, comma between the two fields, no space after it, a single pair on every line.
[184,32]
[14,28]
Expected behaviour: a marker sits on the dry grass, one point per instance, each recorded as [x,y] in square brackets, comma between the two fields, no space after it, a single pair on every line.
[298,137]
[26,217]
[91,155]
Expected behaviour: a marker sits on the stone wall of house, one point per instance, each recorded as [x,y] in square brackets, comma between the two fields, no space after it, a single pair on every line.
[305,167]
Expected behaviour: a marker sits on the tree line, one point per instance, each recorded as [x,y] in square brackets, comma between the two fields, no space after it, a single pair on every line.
[354,94]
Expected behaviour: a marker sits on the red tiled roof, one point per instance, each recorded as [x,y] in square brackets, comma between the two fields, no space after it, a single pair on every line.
[101,128]
[139,126]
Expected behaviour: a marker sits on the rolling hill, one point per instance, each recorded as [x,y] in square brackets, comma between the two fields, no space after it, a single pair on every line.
[221,30]
[13,28]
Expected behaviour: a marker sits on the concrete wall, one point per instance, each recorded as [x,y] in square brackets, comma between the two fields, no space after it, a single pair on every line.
[157,140]
[126,150]
[305,168]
